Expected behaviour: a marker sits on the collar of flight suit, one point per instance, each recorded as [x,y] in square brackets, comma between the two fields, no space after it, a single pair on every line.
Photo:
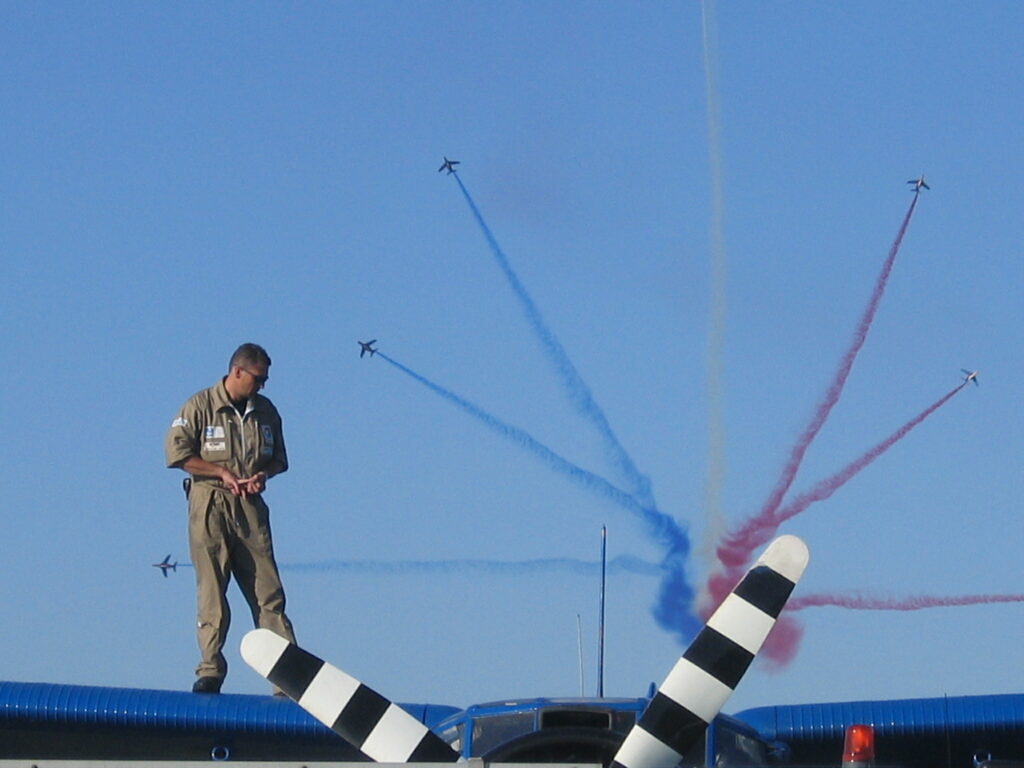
[220,399]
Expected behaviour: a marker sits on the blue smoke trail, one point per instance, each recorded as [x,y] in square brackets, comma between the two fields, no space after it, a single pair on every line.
[578,391]
[673,611]
[527,441]
[470,566]
[464,566]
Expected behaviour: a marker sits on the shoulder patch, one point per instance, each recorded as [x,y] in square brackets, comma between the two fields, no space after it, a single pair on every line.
[179,422]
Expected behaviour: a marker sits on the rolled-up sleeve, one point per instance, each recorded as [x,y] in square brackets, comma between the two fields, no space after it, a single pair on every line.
[182,440]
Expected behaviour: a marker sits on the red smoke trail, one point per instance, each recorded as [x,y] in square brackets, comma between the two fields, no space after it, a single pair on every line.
[822,490]
[781,648]
[736,550]
[917,603]
[759,530]
[783,642]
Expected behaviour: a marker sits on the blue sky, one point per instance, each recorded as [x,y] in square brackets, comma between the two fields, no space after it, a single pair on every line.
[180,178]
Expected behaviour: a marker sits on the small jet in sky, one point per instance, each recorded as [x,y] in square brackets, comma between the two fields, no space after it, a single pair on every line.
[367,348]
[448,165]
[165,565]
[970,376]
[918,184]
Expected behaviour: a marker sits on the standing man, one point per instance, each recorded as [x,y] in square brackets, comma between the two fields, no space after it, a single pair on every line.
[228,439]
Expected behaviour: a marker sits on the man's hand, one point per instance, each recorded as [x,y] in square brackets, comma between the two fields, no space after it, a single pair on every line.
[254,484]
[195,465]
[233,484]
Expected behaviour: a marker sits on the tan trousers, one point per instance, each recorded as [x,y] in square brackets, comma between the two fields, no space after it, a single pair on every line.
[229,536]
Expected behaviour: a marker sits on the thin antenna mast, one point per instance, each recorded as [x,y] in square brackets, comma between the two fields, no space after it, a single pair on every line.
[600,630]
[579,642]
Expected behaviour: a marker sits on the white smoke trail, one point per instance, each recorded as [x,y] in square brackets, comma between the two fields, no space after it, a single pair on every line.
[714,524]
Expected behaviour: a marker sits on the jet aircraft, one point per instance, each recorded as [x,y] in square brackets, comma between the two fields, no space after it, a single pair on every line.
[165,565]
[448,165]
[970,376]
[673,721]
[918,184]
[367,348]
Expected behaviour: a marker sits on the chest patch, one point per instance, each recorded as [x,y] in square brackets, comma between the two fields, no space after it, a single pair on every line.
[214,433]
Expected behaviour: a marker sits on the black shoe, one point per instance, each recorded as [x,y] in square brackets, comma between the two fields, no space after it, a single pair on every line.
[207,685]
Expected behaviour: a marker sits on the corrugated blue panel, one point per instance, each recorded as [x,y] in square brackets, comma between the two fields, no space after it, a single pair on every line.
[53,703]
[813,722]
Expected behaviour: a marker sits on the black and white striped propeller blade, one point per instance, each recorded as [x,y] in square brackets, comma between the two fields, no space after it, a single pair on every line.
[709,670]
[380,729]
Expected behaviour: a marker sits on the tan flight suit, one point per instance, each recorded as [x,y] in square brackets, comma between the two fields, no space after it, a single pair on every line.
[228,534]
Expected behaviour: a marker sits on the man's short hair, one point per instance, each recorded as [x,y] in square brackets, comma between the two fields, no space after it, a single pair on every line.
[251,354]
